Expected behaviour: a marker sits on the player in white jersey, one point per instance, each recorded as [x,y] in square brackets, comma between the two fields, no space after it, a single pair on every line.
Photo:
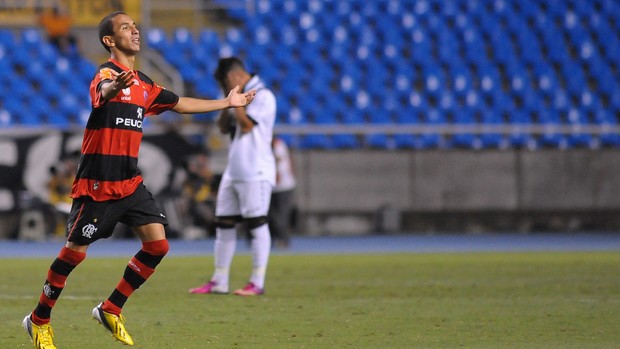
[245,190]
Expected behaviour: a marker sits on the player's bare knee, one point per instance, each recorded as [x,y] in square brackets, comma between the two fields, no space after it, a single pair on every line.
[255,222]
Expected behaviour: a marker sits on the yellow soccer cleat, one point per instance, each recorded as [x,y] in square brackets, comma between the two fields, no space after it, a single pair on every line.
[42,336]
[114,324]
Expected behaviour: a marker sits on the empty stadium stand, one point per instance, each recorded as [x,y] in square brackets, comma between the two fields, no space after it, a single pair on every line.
[488,73]
[38,85]
[517,73]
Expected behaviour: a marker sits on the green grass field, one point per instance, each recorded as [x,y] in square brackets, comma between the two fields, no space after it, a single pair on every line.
[482,300]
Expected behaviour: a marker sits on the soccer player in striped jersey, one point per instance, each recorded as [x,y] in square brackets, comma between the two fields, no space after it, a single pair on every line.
[245,190]
[108,186]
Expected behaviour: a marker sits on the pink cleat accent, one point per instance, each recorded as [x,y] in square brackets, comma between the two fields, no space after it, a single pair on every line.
[250,290]
[210,287]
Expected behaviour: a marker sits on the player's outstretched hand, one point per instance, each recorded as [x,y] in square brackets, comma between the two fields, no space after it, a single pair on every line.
[237,99]
[122,80]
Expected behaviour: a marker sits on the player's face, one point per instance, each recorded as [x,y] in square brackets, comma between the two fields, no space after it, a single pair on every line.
[232,79]
[126,34]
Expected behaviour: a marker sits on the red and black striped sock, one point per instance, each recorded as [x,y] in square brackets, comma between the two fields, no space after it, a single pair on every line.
[138,270]
[57,275]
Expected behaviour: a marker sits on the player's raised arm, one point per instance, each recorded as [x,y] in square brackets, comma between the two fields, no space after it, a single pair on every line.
[188,105]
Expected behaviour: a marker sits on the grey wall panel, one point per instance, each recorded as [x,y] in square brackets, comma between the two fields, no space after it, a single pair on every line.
[352,180]
[577,179]
[459,180]
[606,177]
[464,180]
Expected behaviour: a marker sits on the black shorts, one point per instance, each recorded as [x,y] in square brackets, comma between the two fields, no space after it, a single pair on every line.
[90,220]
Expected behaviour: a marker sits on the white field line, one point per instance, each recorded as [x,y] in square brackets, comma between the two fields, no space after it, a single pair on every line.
[35,297]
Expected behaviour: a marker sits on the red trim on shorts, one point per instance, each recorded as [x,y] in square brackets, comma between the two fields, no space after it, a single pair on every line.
[76,220]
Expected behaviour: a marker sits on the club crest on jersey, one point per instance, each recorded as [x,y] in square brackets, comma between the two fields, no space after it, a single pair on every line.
[95,185]
[88,230]
[105,74]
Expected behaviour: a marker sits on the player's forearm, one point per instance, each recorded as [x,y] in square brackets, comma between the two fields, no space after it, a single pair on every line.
[224,122]
[188,105]
[243,120]
[109,90]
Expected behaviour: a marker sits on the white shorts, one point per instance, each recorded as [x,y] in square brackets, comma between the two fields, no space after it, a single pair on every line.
[248,199]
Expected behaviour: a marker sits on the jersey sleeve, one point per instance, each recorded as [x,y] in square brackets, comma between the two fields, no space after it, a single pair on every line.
[263,106]
[160,100]
[104,75]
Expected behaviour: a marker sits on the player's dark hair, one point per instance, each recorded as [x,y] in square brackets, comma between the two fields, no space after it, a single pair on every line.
[107,28]
[224,65]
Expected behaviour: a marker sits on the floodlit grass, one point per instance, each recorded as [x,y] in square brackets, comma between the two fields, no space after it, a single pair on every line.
[483,300]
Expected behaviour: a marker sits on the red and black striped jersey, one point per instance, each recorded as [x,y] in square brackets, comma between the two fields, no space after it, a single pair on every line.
[108,166]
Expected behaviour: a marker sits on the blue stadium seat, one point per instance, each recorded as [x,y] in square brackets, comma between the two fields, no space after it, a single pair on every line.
[6,118]
[606,118]
[28,113]
[448,46]
[551,136]
[234,37]
[577,118]
[238,12]
[50,89]
[465,139]
[207,88]
[556,49]
[345,141]
[21,87]
[546,80]
[69,105]
[289,139]
[560,101]
[56,119]
[434,80]
[35,71]
[209,38]
[31,37]
[86,69]
[462,81]
[379,140]
[614,101]
[315,141]
[431,139]
[518,120]
[406,141]
[296,117]
[48,54]
[378,116]
[157,39]
[575,78]
[423,49]
[182,38]
[490,80]
[7,38]
[190,73]
[474,52]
